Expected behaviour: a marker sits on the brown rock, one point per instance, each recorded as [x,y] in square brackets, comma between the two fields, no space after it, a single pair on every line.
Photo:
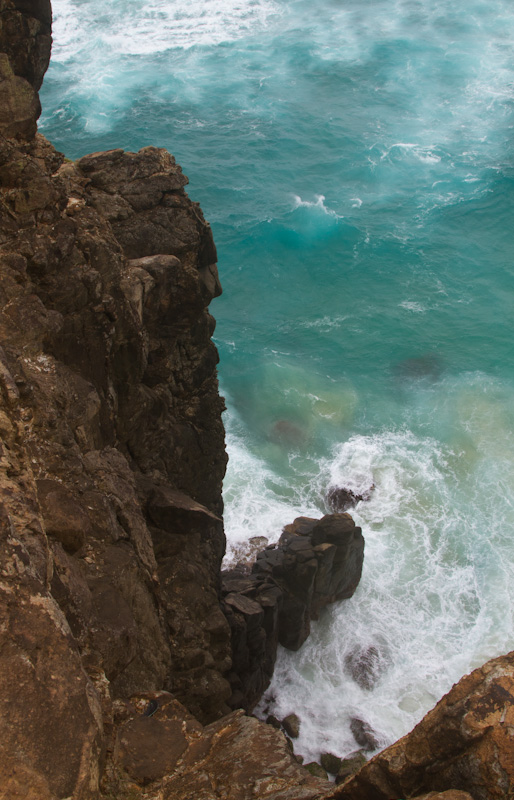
[111,443]
[19,104]
[451,794]
[26,38]
[64,516]
[330,762]
[50,720]
[240,758]
[149,748]
[291,725]
[349,766]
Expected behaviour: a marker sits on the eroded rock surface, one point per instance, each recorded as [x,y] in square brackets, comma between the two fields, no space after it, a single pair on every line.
[111,441]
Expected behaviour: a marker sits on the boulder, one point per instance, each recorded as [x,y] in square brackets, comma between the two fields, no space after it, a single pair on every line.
[291,725]
[340,498]
[236,758]
[363,734]
[316,769]
[330,762]
[349,766]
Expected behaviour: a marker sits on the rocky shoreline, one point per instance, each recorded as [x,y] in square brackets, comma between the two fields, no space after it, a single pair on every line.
[127,659]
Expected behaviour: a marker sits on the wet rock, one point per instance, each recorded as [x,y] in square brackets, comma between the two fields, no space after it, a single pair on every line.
[349,766]
[340,499]
[316,769]
[291,725]
[365,666]
[363,734]
[330,763]
[315,562]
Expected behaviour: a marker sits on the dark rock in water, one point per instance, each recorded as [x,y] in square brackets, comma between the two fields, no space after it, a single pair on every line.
[350,765]
[316,769]
[365,666]
[363,734]
[331,763]
[273,721]
[340,499]
[316,562]
[426,366]
[259,542]
[287,433]
[291,725]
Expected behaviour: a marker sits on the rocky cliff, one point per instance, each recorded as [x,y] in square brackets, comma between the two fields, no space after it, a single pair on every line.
[111,466]
[112,447]
[118,667]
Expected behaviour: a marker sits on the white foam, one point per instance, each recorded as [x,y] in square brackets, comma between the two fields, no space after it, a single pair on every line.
[324,323]
[318,203]
[436,563]
[258,501]
[411,305]
[152,26]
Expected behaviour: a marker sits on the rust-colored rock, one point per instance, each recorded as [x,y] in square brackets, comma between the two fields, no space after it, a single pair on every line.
[466,744]
[240,758]
[111,441]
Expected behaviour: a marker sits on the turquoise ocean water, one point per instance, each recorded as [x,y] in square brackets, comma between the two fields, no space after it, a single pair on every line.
[356,162]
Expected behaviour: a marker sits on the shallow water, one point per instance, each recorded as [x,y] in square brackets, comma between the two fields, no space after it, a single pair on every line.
[356,164]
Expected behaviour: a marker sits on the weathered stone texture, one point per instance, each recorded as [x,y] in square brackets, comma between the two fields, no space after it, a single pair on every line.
[111,441]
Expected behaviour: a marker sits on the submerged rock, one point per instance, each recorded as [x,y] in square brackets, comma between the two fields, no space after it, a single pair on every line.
[291,725]
[316,769]
[364,734]
[340,499]
[330,762]
[366,666]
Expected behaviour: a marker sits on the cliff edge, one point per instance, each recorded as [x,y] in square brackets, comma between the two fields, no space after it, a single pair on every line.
[112,446]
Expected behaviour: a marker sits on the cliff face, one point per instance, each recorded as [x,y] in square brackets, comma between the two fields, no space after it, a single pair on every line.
[112,446]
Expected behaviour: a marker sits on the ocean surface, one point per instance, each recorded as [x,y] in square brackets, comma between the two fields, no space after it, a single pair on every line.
[356,161]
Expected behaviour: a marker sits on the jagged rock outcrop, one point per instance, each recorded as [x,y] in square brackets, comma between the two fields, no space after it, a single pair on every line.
[159,750]
[465,744]
[316,562]
[111,441]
